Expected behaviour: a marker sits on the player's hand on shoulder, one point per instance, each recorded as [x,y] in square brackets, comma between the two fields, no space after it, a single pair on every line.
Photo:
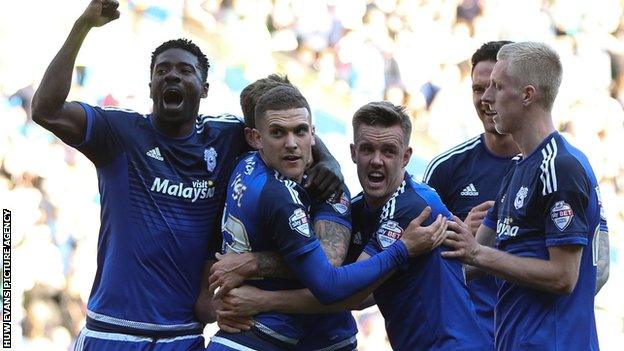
[325,179]
[421,239]
[100,12]
[476,215]
[461,241]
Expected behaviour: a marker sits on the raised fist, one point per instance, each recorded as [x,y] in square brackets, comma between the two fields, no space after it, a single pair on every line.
[100,12]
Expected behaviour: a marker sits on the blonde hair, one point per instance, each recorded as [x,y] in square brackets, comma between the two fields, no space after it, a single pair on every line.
[536,64]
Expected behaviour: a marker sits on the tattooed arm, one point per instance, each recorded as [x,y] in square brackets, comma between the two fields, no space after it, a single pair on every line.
[602,269]
[232,269]
[334,238]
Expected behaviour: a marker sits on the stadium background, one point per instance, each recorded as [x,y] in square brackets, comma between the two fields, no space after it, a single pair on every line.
[341,54]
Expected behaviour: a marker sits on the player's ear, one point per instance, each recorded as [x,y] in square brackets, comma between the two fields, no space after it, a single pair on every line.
[352,147]
[249,136]
[204,93]
[406,156]
[256,139]
[150,89]
[528,95]
[313,132]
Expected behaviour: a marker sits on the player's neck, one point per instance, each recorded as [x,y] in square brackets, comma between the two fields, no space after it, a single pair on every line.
[534,131]
[174,130]
[501,145]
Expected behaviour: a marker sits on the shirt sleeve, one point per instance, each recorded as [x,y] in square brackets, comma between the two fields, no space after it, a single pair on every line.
[290,228]
[565,199]
[331,284]
[491,216]
[337,210]
[100,143]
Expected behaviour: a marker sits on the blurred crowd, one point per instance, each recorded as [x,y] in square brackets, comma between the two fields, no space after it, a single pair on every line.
[341,54]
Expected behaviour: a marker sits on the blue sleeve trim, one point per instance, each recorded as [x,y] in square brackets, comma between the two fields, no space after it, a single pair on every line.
[371,250]
[489,223]
[334,219]
[89,124]
[303,249]
[577,239]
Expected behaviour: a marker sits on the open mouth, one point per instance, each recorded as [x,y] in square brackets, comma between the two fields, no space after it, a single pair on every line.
[291,158]
[376,177]
[173,97]
[489,113]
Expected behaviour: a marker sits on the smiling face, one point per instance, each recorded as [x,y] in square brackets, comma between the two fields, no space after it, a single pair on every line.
[285,139]
[480,82]
[176,87]
[381,155]
[504,98]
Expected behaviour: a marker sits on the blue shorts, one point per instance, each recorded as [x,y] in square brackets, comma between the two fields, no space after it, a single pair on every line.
[89,340]
[218,343]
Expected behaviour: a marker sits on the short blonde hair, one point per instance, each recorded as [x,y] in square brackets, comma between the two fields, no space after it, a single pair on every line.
[535,64]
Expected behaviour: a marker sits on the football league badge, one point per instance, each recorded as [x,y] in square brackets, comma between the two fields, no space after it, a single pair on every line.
[299,222]
[561,214]
[340,205]
[210,156]
[388,233]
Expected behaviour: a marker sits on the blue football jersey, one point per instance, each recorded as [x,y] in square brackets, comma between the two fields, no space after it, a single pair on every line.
[332,331]
[266,212]
[549,198]
[426,304]
[464,177]
[161,200]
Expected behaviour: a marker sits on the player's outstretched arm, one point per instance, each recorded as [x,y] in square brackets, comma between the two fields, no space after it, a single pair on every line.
[249,301]
[232,270]
[602,266]
[49,108]
[558,275]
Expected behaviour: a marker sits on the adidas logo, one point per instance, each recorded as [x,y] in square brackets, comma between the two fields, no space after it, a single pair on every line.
[470,190]
[155,153]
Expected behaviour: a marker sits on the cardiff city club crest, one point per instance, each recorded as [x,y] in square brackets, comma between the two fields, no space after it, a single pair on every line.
[210,156]
[561,214]
[388,233]
[522,193]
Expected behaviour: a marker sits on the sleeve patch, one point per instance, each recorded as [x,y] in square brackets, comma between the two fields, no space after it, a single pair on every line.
[299,221]
[340,205]
[561,214]
[388,233]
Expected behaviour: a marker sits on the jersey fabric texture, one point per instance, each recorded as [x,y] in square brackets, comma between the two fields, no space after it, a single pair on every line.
[425,303]
[267,212]
[161,199]
[549,198]
[464,177]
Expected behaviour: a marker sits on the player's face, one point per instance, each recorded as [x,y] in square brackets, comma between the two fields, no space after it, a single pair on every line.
[381,156]
[504,98]
[285,139]
[177,86]
[480,81]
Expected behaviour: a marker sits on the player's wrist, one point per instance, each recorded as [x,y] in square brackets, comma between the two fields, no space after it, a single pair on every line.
[475,255]
[250,268]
